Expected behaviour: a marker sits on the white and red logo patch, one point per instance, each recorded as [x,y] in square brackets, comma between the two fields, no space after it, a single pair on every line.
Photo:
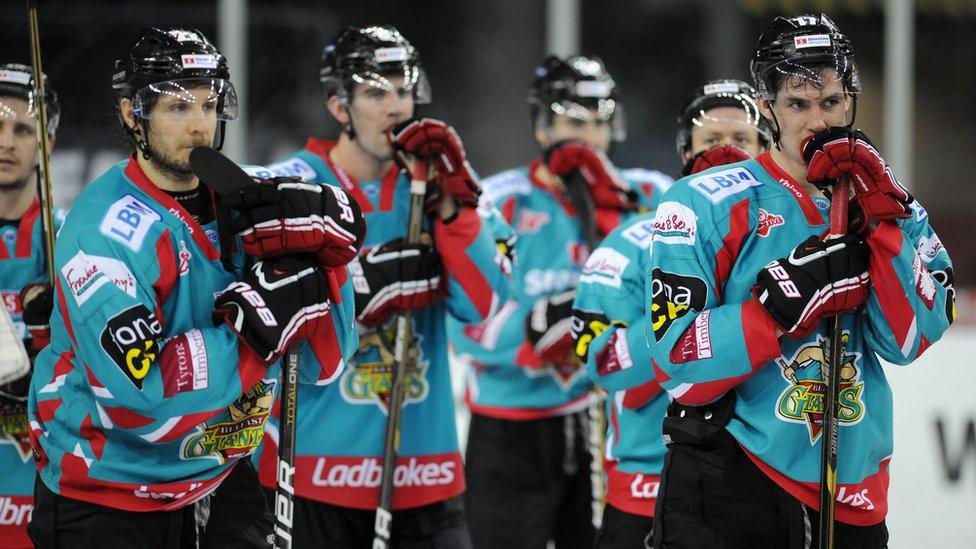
[531,221]
[924,285]
[675,223]
[767,221]
[184,364]
[184,259]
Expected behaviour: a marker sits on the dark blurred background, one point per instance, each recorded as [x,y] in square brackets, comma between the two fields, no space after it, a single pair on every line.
[480,56]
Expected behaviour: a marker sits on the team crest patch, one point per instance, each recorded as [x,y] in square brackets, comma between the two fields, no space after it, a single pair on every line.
[15,431]
[803,399]
[767,221]
[240,434]
[370,378]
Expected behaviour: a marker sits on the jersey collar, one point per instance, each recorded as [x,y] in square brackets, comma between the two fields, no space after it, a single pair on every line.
[322,147]
[138,177]
[810,210]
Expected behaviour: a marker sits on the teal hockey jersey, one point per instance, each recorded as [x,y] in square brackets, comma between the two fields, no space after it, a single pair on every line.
[713,232]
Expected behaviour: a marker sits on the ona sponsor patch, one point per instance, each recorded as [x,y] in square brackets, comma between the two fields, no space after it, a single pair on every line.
[128,221]
[294,167]
[131,340]
[640,234]
[717,186]
[605,266]
[695,343]
[83,277]
[766,222]
[929,247]
[587,326]
[672,297]
[184,364]
[675,223]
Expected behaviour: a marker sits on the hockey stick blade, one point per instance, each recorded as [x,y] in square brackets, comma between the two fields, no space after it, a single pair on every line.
[218,172]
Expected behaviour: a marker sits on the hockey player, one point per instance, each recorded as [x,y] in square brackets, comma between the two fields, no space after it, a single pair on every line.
[161,370]
[742,285]
[373,79]
[21,264]
[719,124]
[528,447]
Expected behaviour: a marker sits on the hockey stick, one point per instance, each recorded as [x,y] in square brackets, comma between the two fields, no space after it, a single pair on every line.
[582,202]
[828,463]
[44,182]
[383,525]
[226,179]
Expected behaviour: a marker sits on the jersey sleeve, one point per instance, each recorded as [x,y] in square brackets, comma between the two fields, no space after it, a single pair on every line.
[912,298]
[608,312]
[109,299]
[476,282]
[700,346]
[324,358]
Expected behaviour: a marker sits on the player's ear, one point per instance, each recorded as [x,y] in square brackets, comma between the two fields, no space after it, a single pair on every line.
[127,114]
[766,108]
[338,108]
[542,136]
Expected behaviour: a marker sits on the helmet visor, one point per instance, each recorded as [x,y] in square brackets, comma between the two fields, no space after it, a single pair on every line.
[599,110]
[412,76]
[177,100]
[818,71]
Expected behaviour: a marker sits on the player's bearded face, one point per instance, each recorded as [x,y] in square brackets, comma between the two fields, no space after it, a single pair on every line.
[593,131]
[724,126]
[803,108]
[18,143]
[374,109]
[188,124]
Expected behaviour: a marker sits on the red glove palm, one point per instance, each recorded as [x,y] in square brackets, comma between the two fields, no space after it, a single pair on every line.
[841,150]
[606,187]
[429,138]
[719,155]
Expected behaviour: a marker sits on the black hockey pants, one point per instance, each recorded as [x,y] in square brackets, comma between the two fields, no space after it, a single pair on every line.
[713,496]
[238,518]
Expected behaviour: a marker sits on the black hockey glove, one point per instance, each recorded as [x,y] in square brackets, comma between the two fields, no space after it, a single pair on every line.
[280,300]
[818,280]
[549,328]
[37,301]
[393,278]
[285,215]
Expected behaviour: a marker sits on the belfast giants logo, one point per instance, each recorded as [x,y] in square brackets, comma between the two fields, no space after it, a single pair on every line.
[370,379]
[14,430]
[240,434]
[803,399]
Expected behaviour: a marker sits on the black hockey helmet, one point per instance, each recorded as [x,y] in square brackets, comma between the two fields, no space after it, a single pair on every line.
[17,80]
[578,86]
[800,46]
[370,55]
[720,93]
[173,61]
